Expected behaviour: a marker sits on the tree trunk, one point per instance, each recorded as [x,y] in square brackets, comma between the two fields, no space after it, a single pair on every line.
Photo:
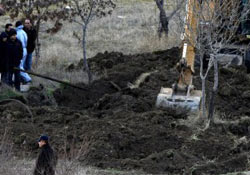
[203,80]
[214,90]
[163,25]
[86,66]
[203,100]
[38,46]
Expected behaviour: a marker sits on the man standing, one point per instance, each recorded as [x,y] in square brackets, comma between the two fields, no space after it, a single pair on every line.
[46,161]
[22,36]
[8,27]
[3,57]
[14,56]
[31,33]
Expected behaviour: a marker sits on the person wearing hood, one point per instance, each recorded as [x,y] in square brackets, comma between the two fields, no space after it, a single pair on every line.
[22,36]
[14,52]
[3,58]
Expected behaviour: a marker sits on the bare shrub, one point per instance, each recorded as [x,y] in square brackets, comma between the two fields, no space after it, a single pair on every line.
[9,164]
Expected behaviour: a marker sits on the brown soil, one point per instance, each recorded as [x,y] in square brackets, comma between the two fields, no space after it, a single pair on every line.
[119,127]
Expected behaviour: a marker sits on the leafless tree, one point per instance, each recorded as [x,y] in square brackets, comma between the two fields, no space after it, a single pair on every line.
[214,32]
[164,19]
[37,11]
[82,13]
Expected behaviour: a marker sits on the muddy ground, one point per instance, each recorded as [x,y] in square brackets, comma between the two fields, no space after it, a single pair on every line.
[113,125]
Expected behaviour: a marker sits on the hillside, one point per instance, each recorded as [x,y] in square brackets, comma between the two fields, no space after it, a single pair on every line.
[109,125]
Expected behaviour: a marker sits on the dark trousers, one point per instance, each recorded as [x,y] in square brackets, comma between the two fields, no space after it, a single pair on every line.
[28,62]
[5,78]
[16,74]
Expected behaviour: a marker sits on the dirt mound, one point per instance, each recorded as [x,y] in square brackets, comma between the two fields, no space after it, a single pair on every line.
[234,92]
[115,124]
[117,72]
[40,96]
[233,98]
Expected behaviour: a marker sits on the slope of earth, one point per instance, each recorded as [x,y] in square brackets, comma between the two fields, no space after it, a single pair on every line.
[113,123]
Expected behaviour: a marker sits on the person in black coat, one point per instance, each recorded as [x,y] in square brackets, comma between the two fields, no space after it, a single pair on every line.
[32,35]
[3,57]
[46,161]
[14,51]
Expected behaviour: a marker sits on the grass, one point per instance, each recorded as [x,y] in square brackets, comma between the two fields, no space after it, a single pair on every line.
[8,93]
[132,28]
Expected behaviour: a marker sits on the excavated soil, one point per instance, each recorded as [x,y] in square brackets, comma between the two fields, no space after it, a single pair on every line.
[116,125]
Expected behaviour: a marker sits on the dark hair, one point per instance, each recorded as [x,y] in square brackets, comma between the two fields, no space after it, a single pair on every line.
[8,25]
[19,23]
[12,32]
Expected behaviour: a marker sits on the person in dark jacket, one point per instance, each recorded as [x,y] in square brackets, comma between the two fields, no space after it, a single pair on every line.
[46,161]
[8,27]
[3,58]
[14,51]
[32,35]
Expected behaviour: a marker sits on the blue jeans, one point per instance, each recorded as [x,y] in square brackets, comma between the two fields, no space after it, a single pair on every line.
[28,62]
[24,76]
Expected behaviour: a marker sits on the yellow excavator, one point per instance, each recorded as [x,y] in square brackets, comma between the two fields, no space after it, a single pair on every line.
[183,94]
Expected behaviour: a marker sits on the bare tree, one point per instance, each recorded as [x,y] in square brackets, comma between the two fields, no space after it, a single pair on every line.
[213,29]
[164,19]
[37,11]
[82,13]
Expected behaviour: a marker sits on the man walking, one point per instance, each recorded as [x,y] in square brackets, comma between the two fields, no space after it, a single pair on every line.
[14,56]
[32,35]
[46,161]
[22,36]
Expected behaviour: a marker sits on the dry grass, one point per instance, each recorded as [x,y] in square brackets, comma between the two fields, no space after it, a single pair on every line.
[25,167]
[11,165]
[132,28]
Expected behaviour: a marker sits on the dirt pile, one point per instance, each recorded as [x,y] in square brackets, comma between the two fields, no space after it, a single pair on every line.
[115,123]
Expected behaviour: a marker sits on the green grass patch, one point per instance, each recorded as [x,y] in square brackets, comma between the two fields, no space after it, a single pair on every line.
[50,91]
[9,94]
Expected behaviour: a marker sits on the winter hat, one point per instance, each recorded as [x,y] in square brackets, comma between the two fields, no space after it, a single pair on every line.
[19,23]
[12,32]
[3,35]
[43,137]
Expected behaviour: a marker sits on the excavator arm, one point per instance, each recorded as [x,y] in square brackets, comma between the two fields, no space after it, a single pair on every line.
[182,93]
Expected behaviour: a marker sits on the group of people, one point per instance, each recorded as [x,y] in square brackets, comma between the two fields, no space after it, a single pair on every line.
[16,47]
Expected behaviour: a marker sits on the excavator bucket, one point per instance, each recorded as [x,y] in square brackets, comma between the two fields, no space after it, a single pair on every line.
[166,99]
